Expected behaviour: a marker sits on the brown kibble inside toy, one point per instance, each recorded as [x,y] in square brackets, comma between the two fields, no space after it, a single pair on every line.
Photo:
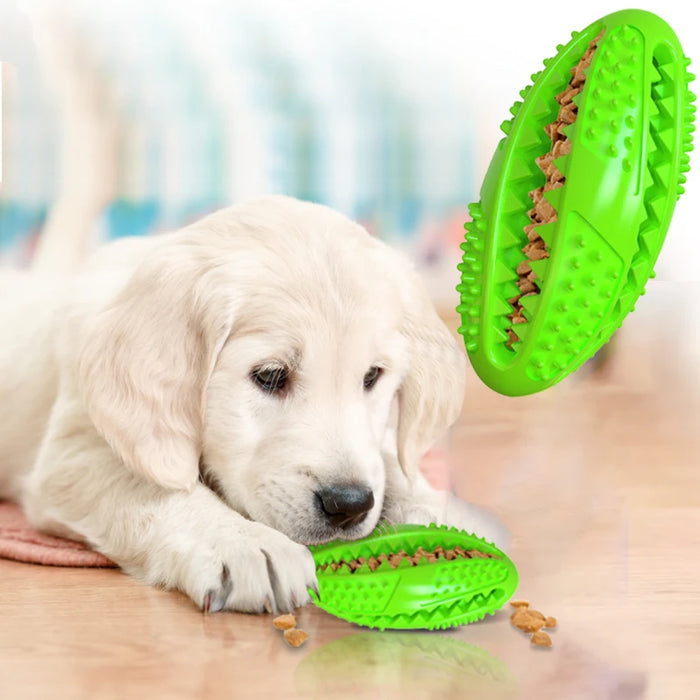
[542,211]
[295,637]
[541,639]
[285,622]
[396,558]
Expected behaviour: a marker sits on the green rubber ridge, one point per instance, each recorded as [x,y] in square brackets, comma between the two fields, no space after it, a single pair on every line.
[663,135]
[630,147]
[428,595]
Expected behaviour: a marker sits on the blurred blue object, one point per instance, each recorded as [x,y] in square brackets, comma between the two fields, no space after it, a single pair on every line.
[131,218]
[17,224]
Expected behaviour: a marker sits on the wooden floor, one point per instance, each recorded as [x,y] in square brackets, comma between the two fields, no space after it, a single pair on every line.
[599,481]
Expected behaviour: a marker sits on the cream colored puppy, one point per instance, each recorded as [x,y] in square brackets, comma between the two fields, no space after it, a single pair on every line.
[200,405]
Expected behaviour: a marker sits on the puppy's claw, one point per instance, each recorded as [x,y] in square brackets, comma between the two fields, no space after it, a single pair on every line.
[314,588]
[295,602]
[214,601]
[268,605]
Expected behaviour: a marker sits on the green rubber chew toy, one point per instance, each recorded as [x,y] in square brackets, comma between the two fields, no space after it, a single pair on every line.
[576,202]
[413,577]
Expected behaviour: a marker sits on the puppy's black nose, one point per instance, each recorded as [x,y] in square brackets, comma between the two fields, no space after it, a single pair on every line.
[345,505]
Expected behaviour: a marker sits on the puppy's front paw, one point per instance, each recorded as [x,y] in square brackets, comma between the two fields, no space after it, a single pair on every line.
[255,569]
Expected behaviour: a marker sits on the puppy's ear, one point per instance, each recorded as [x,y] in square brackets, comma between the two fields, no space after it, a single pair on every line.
[432,392]
[146,359]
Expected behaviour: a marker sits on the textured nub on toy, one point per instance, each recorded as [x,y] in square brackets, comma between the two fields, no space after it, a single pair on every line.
[542,211]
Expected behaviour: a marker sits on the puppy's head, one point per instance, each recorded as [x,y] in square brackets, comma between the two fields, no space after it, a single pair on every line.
[261,350]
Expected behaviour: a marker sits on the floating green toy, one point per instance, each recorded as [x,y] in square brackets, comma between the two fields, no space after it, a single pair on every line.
[576,202]
[413,577]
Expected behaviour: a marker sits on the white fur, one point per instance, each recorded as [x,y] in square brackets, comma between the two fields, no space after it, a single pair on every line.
[117,385]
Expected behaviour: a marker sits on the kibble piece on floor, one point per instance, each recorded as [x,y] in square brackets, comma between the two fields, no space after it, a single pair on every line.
[541,639]
[550,621]
[519,603]
[285,622]
[295,637]
[524,620]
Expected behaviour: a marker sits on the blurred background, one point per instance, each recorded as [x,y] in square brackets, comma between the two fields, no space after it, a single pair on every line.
[138,117]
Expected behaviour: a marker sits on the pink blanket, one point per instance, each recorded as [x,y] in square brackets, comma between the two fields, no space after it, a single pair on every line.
[21,542]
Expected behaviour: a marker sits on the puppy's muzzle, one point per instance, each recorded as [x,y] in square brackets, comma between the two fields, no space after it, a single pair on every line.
[345,505]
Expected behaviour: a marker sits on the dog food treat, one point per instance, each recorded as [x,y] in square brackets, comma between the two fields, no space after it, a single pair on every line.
[288,624]
[295,637]
[530,612]
[526,620]
[543,212]
[285,622]
[532,622]
[541,639]
[395,558]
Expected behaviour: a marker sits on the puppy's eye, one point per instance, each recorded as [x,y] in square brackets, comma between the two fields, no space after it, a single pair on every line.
[272,380]
[371,376]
